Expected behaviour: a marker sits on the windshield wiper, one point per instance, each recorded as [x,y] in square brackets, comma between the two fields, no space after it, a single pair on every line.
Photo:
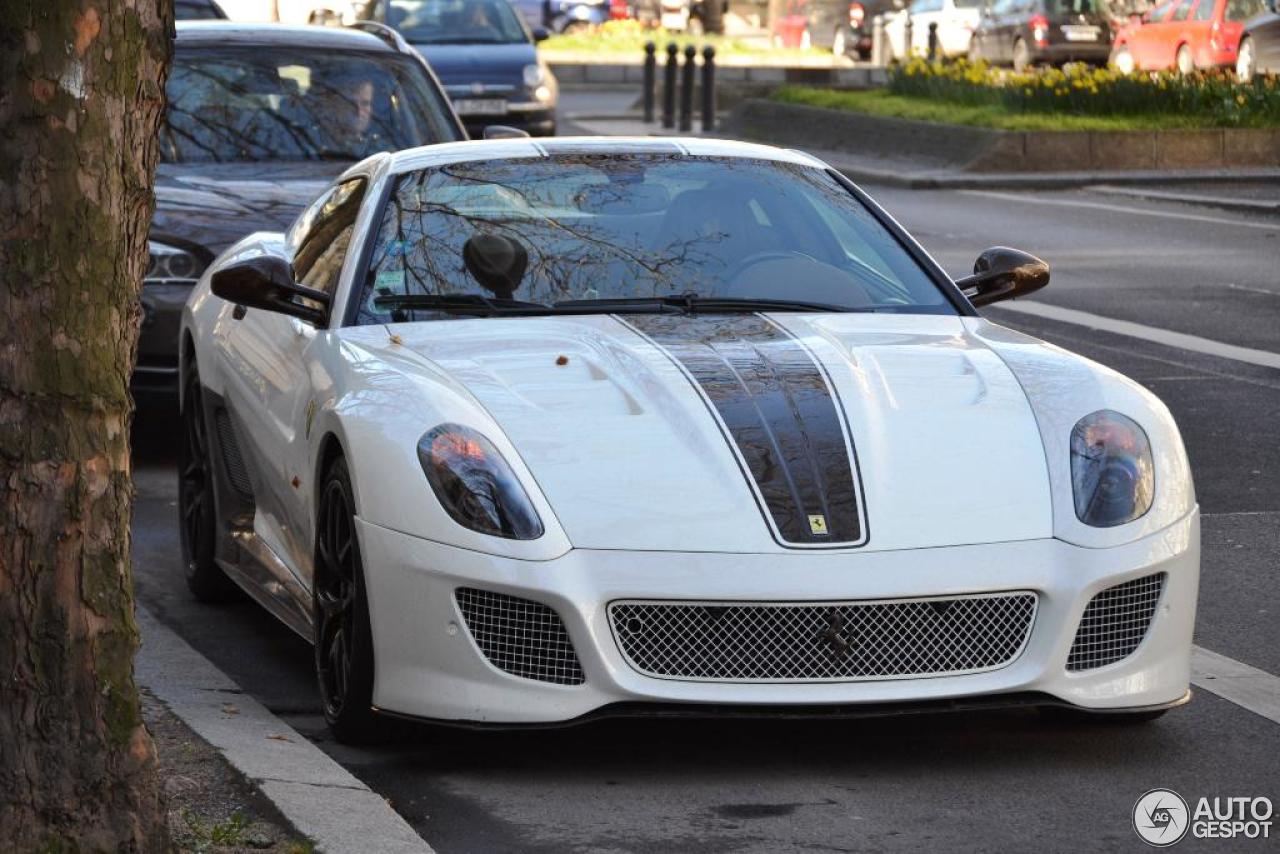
[458,304]
[482,306]
[692,303]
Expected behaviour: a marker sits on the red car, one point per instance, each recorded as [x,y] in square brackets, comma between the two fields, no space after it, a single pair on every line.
[1184,34]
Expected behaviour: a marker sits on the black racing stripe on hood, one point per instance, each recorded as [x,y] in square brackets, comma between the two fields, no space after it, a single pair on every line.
[774,400]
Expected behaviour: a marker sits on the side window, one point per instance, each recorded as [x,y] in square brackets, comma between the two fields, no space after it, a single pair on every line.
[322,234]
[1243,10]
[1204,12]
[1180,14]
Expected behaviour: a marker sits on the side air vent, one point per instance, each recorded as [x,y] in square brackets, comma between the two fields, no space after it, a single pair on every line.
[233,462]
[520,637]
[1115,622]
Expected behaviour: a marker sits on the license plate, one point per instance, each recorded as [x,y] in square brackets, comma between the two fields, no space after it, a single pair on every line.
[1076,33]
[480,107]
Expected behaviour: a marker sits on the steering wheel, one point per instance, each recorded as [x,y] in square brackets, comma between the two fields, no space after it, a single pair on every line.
[761,258]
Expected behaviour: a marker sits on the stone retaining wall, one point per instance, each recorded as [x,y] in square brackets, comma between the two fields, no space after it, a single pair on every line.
[984,150]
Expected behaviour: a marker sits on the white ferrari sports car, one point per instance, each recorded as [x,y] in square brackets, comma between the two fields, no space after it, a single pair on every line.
[526,432]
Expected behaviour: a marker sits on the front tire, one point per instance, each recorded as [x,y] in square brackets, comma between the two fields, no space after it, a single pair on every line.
[197,511]
[1246,61]
[343,632]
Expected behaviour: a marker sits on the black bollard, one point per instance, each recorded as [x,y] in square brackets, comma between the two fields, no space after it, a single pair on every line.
[686,89]
[669,87]
[650,78]
[933,41]
[708,89]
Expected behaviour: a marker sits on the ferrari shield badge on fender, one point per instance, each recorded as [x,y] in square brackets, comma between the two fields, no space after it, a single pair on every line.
[818,525]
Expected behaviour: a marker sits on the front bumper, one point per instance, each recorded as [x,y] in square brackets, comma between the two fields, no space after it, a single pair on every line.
[1057,53]
[535,122]
[428,666]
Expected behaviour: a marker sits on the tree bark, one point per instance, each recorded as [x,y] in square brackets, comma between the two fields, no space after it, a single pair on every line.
[81,99]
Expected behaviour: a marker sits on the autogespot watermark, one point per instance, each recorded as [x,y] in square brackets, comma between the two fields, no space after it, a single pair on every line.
[1161,818]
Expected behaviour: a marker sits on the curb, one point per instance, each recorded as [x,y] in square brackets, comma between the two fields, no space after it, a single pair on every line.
[958,180]
[1224,202]
[320,798]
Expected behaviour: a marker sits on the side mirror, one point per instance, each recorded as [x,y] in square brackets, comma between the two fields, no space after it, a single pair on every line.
[504,132]
[541,34]
[1003,273]
[266,282]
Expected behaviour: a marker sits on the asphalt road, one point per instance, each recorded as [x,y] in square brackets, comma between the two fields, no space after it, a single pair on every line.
[995,781]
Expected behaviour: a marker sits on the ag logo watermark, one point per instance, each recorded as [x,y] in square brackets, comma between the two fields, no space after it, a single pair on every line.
[1161,817]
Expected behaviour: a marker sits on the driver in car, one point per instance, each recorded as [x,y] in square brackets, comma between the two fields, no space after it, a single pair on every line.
[348,114]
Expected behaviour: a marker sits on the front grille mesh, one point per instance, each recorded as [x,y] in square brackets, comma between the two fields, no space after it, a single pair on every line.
[1115,622]
[520,637]
[837,641]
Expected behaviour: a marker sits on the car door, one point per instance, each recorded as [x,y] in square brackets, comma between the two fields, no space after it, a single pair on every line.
[1145,42]
[1179,30]
[272,378]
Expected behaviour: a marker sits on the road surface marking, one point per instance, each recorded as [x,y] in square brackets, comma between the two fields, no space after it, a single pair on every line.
[1236,682]
[1103,206]
[1167,337]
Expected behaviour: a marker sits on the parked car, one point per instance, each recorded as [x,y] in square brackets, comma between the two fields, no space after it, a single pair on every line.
[1259,50]
[484,54]
[956,20]
[1185,35]
[1023,33]
[198,10]
[526,432]
[566,16]
[843,27]
[260,118]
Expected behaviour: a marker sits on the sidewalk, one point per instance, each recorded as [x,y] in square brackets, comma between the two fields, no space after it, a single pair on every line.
[317,796]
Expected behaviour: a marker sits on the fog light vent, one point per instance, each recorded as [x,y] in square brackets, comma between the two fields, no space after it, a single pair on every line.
[520,637]
[1115,622]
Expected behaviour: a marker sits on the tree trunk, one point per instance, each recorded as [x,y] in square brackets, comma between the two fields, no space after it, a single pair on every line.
[81,98]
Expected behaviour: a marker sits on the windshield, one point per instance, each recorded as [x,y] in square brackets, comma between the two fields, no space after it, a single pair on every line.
[600,227]
[456,21]
[253,105]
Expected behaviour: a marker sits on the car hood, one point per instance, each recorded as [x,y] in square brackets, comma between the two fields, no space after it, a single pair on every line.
[209,206]
[465,64]
[692,433]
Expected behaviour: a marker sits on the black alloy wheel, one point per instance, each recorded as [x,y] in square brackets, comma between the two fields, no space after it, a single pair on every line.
[343,636]
[197,512]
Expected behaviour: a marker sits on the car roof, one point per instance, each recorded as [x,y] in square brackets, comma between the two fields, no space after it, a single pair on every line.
[233,33]
[499,149]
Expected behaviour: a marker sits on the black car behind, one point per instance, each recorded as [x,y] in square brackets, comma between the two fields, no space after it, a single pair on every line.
[483,52]
[260,119]
[1022,33]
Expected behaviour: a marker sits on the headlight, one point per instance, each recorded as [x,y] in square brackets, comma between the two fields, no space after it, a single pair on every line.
[171,265]
[1111,469]
[534,75]
[475,484]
